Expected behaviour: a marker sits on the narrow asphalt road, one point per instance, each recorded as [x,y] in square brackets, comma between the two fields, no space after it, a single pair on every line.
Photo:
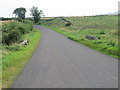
[62,63]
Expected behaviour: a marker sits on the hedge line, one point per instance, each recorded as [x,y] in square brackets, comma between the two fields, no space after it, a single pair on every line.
[13,31]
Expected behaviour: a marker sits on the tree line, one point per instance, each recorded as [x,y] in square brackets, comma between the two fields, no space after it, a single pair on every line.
[20,13]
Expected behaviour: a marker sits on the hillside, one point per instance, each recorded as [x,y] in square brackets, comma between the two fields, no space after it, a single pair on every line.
[103,28]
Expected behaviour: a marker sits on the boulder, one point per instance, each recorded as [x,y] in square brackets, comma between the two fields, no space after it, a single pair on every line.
[91,37]
[25,42]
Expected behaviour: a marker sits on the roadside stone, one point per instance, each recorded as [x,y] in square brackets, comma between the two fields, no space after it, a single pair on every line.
[91,37]
[25,42]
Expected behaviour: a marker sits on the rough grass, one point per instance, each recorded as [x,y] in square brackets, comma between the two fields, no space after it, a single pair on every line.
[105,28]
[7,21]
[14,59]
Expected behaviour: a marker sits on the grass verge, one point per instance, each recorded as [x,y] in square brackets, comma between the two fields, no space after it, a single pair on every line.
[105,46]
[14,61]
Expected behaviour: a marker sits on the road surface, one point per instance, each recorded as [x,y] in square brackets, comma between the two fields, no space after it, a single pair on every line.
[62,63]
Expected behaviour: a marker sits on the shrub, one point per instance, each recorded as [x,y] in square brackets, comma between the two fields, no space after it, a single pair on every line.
[10,38]
[98,37]
[111,43]
[19,19]
[7,27]
[68,24]
[14,36]
[5,39]
[30,24]
[13,31]
[102,33]
[24,28]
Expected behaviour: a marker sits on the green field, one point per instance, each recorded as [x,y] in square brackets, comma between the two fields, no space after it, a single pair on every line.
[104,28]
[14,55]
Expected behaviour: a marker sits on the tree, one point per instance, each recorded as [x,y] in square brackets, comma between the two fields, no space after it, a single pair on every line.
[20,12]
[35,13]
[42,14]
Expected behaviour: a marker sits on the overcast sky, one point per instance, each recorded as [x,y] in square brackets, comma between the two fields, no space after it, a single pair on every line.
[60,7]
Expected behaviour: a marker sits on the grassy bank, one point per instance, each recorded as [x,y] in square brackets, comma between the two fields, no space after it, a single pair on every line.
[104,28]
[15,57]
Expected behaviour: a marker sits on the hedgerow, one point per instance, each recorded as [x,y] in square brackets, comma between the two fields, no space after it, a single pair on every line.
[13,31]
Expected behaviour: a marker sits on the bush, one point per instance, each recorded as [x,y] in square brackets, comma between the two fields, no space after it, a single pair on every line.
[5,39]
[30,24]
[102,33]
[8,27]
[111,43]
[22,28]
[14,36]
[13,31]
[10,38]
[19,19]
[68,24]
